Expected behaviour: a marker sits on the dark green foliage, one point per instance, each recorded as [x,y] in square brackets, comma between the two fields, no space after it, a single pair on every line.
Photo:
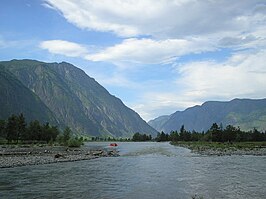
[21,126]
[174,136]
[67,139]
[162,137]
[34,131]
[137,137]
[66,134]
[49,133]
[229,133]
[74,142]
[12,128]
[2,129]
[214,134]
[16,129]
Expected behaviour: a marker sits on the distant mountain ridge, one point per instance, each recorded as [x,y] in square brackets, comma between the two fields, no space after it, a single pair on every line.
[158,122]
[70,97]
[245,113]
[16,98]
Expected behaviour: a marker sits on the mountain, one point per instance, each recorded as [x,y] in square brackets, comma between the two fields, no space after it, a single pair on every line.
[245,113]
[159,121]
[16,98]
[75,99]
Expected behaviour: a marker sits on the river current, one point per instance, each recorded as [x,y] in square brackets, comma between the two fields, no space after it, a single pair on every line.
[144,170]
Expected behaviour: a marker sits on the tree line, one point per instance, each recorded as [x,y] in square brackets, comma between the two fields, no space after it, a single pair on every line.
[15,129]
[215,134]
[137,137]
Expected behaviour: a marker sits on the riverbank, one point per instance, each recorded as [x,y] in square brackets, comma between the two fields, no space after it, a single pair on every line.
[14,156]
[221,149]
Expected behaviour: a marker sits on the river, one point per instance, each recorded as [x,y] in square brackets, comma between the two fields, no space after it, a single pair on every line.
[144,170]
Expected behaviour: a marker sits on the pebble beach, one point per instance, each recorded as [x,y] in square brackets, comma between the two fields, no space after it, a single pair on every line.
[23,156]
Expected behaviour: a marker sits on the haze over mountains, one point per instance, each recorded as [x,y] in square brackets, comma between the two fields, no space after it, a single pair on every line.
[245,113]
[64,95]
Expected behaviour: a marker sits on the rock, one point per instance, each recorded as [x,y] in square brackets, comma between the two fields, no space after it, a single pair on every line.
[97,153]
[58,155]
[35,155]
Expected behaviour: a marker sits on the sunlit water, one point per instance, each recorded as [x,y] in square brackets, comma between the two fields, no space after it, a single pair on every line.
[144,170]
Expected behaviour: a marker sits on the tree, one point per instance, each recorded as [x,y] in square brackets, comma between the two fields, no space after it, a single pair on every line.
[34,131]
[141,137]
[136,137]
[216,134]
[12,128]
[3,129]
[66,135]
[54,132]
[49,133]
[230,133]
[21,126]
[162,137]
[256,135]
[182,133]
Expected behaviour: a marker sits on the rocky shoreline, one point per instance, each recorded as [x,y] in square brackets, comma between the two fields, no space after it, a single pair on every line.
[24,155]
[208,151]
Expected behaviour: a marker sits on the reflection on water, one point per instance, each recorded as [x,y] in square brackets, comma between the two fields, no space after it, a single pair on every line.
[144,170]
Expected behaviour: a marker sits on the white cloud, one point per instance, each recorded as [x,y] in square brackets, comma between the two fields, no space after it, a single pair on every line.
[64,48]
[140,51]
[148,51]
[175,27]
[160,18]
[154,104]
[241,76]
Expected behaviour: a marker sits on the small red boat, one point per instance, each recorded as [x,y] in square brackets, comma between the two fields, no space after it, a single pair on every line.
[113,144]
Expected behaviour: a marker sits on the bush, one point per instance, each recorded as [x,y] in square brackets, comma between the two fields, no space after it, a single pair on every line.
[72,142]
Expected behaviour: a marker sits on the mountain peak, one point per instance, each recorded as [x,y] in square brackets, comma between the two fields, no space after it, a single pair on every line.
[245,113]
[75,99]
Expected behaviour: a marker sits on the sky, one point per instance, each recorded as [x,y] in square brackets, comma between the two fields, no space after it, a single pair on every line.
[158,57]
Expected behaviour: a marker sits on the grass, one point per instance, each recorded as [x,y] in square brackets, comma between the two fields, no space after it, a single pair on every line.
[200,145]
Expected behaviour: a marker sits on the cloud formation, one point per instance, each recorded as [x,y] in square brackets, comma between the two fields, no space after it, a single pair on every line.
[163,31]
[175,27]
[148,51]
[66,48]
[138,51]
[241,76]
[162,18]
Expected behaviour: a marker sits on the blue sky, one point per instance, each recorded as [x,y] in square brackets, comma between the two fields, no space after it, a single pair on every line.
[157,56]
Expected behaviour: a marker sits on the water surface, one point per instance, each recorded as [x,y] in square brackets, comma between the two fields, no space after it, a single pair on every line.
[144,170]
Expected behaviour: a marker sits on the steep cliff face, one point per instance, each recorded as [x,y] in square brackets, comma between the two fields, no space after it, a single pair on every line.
[77,100]
[158,122]
[245,113]
[16,98]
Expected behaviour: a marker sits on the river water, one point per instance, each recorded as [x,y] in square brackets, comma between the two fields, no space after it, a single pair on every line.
[144,170]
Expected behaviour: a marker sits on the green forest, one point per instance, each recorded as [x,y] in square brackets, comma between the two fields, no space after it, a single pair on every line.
[215,134]
[15,130]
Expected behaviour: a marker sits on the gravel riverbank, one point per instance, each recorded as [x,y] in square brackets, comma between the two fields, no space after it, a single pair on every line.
[205,150]
[22,156]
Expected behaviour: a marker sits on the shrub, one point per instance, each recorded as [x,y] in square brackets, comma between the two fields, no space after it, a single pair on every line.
[72,142]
